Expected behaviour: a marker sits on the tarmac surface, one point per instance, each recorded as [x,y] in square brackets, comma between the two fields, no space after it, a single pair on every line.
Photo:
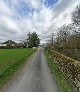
[34,77]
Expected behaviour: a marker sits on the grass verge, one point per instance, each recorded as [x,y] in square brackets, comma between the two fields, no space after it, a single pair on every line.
[63,84]
[12,60]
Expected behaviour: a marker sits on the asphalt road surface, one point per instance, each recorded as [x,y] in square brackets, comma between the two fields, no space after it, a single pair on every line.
[34,77]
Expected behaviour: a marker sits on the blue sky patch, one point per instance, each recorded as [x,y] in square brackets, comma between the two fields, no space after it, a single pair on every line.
[23,9]
[50,2]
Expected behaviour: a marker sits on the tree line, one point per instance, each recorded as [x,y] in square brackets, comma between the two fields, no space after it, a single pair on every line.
[32,40]
[67,40]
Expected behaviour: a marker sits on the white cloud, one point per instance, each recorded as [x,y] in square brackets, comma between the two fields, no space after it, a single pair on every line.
[62,14]
[35,3]
[4,9]
[44,20]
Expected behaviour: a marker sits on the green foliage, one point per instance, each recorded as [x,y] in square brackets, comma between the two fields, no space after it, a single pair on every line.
[11,60]
[32,40]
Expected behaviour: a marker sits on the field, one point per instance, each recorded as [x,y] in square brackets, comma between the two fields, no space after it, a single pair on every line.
[11,60]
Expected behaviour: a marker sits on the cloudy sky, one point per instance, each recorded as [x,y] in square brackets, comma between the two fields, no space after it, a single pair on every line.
[18,17]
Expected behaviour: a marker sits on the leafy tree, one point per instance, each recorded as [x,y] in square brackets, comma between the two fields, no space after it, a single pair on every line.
[32,40]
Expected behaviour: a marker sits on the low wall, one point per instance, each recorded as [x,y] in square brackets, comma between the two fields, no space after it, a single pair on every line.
[69,67]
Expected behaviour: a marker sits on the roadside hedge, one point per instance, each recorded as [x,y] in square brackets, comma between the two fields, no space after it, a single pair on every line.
[69,67]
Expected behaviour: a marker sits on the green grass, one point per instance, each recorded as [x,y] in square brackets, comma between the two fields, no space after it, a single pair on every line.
[11,60]
[63,84]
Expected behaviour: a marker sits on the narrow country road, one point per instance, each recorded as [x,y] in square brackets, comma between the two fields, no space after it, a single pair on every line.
[34,77]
